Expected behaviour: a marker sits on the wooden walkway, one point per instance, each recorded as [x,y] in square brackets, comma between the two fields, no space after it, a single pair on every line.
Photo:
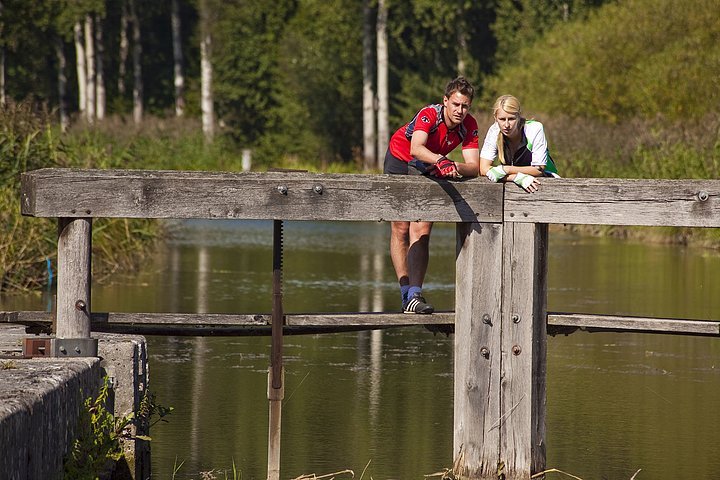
[501,336]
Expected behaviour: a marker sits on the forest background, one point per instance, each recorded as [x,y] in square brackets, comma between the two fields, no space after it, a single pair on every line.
[625,88]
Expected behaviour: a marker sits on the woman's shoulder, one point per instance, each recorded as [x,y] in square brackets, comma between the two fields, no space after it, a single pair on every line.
[532,127]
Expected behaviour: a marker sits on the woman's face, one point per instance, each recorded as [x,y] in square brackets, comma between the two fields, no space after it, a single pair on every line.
[508,122]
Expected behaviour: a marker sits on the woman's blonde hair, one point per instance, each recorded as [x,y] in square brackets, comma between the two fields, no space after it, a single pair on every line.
[511,105]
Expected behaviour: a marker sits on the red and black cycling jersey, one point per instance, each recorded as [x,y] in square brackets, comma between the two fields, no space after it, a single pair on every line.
[441,140]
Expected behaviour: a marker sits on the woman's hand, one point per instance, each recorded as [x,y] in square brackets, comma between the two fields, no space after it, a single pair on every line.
[527,182]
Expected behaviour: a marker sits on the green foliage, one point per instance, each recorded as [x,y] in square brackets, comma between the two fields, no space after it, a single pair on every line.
[97,447]
[634,58]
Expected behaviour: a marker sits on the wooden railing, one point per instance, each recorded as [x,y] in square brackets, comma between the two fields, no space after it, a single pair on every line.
[500,340]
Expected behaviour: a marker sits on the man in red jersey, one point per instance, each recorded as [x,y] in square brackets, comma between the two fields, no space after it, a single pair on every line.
[420,147]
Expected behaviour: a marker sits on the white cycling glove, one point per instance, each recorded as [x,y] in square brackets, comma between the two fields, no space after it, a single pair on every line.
[524,180]
[496,173]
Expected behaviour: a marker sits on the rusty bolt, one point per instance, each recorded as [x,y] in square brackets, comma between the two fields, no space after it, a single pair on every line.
[516,350]
[80,305]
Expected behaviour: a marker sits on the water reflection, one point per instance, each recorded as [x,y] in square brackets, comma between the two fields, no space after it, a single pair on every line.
[616,402]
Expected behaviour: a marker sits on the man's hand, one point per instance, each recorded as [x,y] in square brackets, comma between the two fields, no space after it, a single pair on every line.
[527,182]
[446,168]
[496,173]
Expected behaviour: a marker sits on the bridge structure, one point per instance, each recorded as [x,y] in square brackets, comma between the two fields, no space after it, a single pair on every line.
[500,320]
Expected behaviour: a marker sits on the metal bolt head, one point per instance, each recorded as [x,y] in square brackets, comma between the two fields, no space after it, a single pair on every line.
[485,352]
[80,305]
[703,196]
[486,319]
[282,189]
[318,189]
[516,318]
[516,350]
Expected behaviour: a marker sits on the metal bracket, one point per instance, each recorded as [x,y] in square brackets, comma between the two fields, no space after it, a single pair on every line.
[37,347]
[74,347]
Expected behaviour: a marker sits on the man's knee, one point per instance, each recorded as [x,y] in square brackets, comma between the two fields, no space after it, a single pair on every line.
[400,229]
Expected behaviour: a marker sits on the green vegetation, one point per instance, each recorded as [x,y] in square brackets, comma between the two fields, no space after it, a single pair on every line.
[98,449]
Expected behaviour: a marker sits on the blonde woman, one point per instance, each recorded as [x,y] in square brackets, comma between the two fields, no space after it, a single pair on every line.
[518,144]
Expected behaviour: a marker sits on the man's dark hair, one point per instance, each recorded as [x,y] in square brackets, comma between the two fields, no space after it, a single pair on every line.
[460,84]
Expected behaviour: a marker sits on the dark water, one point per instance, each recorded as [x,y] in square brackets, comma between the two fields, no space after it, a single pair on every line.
[617,402]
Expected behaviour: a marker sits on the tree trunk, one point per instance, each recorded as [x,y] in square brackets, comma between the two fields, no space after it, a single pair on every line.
[100,100]
[369,153]
[124,48]
[206,101]
[81,71]
[90,65]
[62,82]
[2,62]
[382,81]
[178,61]
[137,67]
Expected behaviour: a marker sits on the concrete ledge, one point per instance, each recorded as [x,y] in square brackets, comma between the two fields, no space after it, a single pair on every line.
[40,399]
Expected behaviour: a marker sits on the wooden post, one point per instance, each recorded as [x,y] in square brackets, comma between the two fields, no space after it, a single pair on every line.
[500,347]
[73,278]
[524,346]
[476,440]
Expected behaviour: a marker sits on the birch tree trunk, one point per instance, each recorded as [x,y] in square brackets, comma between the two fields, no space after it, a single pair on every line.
[2,61]
[178,61]
[100,101]
[81,71]
[382,81]
[124,48]
[62,83]
[206,73]
[90,65]
[137,67]
[369,153]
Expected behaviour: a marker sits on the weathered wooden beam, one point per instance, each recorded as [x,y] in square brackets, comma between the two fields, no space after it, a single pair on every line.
[524,344]
[614,201]
[74,281]
[249,195]
[568,322]
[478,266]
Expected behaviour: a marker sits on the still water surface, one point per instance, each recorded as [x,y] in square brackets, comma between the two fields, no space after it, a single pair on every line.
[617,403]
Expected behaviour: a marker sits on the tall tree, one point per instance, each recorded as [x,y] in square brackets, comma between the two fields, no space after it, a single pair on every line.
[80,67]
[123,47]
[90,69]
[100,95]
[179,76]
[137,63]
[62,82]
[206,101]
[383,124]
[370,157]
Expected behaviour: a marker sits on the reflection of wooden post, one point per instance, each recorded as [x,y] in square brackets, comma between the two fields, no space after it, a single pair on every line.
[276,380]
[500,346]
[73,282]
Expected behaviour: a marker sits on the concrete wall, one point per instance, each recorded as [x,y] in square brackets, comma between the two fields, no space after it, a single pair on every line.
[40,399]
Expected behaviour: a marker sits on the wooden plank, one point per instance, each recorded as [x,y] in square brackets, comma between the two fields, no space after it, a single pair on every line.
[683,203]
[251,195]
[524,345]
[73,278]
[476,439]
[636,324]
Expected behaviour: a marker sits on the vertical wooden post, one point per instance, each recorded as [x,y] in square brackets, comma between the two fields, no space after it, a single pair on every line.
[73,278]
[524,346]
[500,350]
[476,440]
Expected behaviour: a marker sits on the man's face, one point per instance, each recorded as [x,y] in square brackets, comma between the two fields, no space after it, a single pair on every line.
[456,108]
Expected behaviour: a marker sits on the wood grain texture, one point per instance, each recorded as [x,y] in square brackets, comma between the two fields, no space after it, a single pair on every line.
[683,203]
[73,277]
[248,195]
[524,345]
[635,324]
[476,437]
